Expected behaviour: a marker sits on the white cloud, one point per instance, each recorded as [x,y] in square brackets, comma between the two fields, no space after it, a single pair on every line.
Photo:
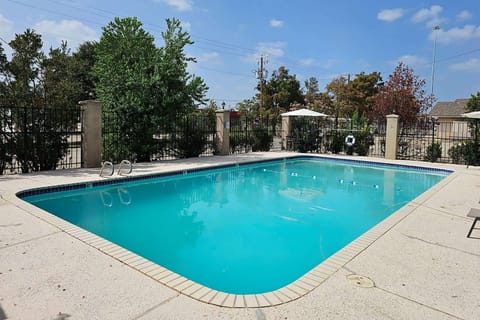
[472,65]
[271,50]
[468,32]
[208,57]
[390,15]
[180,5]
[430,16]
[72,31]
[276,23]
[413,61]
[310,62]
[464,15]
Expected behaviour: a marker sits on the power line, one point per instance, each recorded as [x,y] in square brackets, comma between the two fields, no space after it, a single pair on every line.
[223,71]
[8,44]
[94,10]
[223,47]
[458,55]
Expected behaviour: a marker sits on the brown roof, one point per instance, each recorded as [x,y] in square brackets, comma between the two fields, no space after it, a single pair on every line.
[449,108]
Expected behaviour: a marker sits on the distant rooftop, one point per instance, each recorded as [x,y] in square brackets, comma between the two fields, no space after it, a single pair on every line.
[449,108]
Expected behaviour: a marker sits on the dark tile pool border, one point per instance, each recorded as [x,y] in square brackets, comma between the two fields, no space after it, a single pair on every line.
[123,179]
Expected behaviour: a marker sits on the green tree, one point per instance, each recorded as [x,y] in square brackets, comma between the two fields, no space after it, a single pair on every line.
[283,90]
[357,96]
[248,107]
[124,68]
[338,92]
[311,91]
[473,103]
[142,85]
[362,91]
[280,93]
[5,146]
[24,98]
[84,61]
[176,91]
[37,95]
[61,87]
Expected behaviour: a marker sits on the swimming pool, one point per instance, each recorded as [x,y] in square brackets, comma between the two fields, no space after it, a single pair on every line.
[245,229]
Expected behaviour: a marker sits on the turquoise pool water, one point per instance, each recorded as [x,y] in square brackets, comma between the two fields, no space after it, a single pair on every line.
[245,229]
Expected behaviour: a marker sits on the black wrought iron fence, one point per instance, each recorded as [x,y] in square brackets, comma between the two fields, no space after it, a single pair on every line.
[323,135]
[253,134]
[39,138]
[378,133]
[180,136]
[436,140]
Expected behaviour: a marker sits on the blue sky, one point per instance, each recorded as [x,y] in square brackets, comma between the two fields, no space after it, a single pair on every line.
[323,39]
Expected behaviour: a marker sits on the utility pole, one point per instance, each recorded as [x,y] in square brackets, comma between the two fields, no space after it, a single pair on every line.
[261,74]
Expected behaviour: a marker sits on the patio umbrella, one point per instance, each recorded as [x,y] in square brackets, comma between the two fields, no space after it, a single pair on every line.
[473,115]
[304,113]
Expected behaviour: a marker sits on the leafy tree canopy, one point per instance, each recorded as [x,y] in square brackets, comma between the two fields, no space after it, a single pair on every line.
[84,59]
[473,103]
[355,97]
[38,92]
[175,90]
[402,94]
[141,83]
[363,89]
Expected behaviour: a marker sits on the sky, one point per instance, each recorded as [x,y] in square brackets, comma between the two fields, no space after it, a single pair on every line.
[321,39]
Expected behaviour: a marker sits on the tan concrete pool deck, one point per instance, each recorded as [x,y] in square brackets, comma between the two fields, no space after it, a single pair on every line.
[419,259]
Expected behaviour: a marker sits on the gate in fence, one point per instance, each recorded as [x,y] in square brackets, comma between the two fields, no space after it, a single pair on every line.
[253,134]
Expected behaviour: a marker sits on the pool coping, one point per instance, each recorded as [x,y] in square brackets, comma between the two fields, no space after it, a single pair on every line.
[297,289]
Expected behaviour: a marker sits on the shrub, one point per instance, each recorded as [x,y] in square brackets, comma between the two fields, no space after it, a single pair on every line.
[434,151]
[465,153]
[337,141]
[363,141]
[305,139]
[192,139]
[261,139]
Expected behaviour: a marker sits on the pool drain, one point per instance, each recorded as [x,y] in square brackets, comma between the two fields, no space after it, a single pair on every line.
[361,281]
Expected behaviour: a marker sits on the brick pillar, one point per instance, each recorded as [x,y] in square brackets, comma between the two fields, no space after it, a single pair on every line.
[91,133]
[391,141]
[223,132]
[286,128]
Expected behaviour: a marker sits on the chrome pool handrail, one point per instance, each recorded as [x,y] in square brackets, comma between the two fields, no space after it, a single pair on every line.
[106,164]
[124,162]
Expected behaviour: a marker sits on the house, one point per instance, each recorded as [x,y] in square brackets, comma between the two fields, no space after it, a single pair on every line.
[451,123]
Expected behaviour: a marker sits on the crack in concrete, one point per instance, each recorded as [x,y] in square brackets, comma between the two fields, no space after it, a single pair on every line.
[445,212]
[29,240]
[420,303]
[440,245]
[406,298]
[156,306]
[10,225]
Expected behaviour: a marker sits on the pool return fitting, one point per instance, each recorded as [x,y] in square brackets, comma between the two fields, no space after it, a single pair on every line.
[107,164]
